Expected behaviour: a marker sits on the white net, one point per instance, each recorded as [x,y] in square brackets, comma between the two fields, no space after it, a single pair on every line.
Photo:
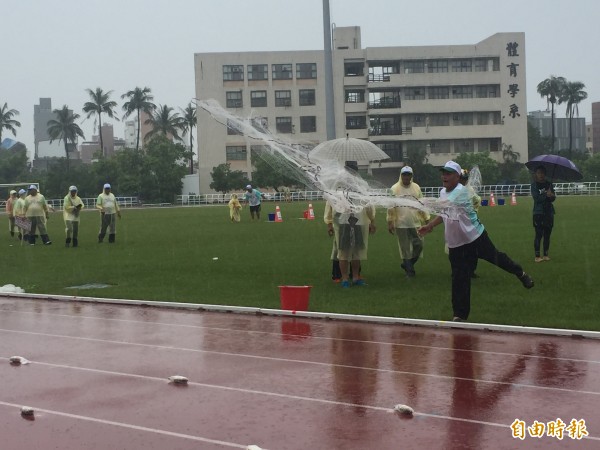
[344,189]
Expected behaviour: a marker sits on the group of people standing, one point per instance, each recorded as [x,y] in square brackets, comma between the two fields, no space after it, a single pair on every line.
[465,236]
[28,213]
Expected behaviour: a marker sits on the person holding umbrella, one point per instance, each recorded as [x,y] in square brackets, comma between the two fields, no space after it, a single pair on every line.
[543,195]
[542,191]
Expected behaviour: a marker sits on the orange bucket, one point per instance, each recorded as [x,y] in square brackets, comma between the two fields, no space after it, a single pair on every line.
[294,298]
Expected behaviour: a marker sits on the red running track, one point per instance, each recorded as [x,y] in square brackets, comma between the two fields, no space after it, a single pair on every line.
[98,379]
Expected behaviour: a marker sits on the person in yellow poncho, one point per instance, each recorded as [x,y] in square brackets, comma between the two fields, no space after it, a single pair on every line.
[234,208]
[19,211]
[10,207]
[36,210]
[72,206]
[404,222]
[109,211]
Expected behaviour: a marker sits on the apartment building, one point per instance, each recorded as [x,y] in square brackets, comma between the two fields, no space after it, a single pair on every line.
[445,100]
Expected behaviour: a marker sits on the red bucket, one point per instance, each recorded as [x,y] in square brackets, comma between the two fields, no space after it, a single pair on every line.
[294,298]
[305,214]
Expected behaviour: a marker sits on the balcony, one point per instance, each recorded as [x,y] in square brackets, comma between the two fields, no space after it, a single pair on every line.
[385,103]
[389,131]
[378,78]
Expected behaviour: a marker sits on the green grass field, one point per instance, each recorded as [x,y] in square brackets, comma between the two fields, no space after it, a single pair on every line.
[167,255]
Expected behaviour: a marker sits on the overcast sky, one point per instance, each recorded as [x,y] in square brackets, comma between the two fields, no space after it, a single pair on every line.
[58,49]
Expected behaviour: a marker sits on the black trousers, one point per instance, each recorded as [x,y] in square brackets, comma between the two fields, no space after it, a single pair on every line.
[543,224]
[462,261]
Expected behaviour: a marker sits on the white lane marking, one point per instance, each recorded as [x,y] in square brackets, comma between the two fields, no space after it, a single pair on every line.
[258,392]
[300,361]
[392,344]
[130,426]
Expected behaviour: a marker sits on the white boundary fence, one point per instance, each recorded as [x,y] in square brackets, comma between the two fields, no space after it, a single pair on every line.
[499,190]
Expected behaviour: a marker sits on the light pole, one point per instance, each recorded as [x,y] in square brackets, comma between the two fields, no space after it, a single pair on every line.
[329,106]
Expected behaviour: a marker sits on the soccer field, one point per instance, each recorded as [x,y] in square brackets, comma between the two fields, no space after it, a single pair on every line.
[169,254]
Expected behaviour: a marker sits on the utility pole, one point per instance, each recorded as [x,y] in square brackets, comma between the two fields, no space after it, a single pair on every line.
[329,105]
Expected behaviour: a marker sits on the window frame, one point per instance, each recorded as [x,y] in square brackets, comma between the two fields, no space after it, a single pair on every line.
[303,102]
[258,72]
[279,70]
[229,71]
[283,100]
[310,127]
[302,71]
[281,125]
[256,101]
[236,150]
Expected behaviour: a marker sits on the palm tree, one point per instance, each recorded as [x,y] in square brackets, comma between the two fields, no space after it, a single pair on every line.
[7,121]
[165,122]
[187,124]
[139,100]
[100,104]
[572,94]
[551,89]
[64,128]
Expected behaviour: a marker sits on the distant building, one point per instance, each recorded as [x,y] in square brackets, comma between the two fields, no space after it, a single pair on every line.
[90,149]
[445,100]
[42,114]
[589,143]
[131,130]
[596,126]
[11,144]
[542,120]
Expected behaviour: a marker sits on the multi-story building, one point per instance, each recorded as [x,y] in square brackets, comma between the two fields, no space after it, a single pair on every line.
[542,120]
[596,126]
[43,113]
[131,130]
[445,100]
[589,135]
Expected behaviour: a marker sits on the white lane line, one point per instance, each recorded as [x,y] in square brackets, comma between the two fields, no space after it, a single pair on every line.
[130,426]
[265,393]
[300,361]
[392,344]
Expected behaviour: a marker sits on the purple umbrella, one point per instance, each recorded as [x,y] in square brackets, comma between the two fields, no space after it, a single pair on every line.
[556,167]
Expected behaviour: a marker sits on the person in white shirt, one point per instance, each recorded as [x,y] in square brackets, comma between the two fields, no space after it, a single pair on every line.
[109,210]
[467,240]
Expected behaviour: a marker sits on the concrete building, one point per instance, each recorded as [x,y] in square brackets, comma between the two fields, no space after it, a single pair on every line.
[542,120]
[443,99]
[131,127]
[589,135]
[596,126]
[90,149]
[43,113]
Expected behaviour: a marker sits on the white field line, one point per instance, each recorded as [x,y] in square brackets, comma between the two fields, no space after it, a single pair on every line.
[295,361]
[326,338]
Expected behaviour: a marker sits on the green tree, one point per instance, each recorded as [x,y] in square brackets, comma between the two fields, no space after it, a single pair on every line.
[164,122]
[187,125]
[14,166]
[591,168]
[273,170]
[224,179]
[6,120]
[162,170]
[100,104]
[490,173]
[64,128]
[424,173]
[510,167]
[572,94]
[536,143]
[551,89]
[139,100]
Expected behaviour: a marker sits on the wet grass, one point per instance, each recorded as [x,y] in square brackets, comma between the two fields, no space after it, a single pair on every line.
[168,255]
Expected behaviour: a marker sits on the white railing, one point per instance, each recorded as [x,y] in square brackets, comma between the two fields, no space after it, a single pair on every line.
[588,188]
[124,202]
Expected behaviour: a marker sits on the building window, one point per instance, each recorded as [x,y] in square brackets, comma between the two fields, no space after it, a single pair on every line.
[258,72]
[439,146]
[306,70]
[461,65]
[392,149]
[308,124]
[462,118]
[233,73]
[495,64]
[258,99]
[355,96]
[306,97]
[232,128]
[462,92]
[418,120]
[356,122]
[483,118]
[234,99]
[283,98]
[260,123]
[413,66]
[485,91]
[354,69]
[463,146]
[437,66]
[283,124]
[439,120]
[480,65]
[281,72]
[235,153]
[416,93]
[440,92]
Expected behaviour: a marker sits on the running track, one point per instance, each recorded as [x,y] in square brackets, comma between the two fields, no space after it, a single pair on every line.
[98,380]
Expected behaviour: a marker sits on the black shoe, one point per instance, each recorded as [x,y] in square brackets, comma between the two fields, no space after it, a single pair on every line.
[458,319]
[67,242]
[526,280]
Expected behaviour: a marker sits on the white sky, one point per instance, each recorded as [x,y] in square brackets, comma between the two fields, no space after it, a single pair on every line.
[58,49]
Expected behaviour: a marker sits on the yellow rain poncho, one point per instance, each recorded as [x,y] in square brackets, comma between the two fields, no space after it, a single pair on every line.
[234,208]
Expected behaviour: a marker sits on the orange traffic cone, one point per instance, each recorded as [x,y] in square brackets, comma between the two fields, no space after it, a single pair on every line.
[492,200]
[278,217]
[513,199]
[311,212]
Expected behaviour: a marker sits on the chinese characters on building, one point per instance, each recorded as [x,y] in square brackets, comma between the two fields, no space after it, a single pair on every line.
[513,89]
[576,429]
